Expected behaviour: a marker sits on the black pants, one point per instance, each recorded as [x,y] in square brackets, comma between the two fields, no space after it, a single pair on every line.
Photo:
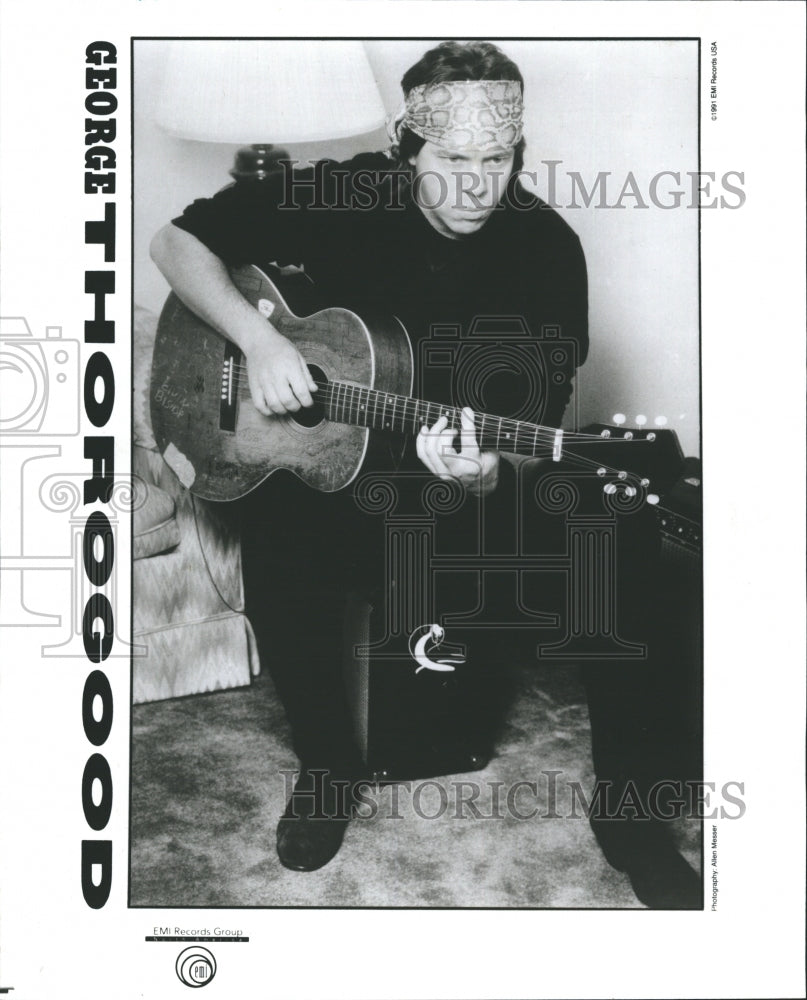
[304,552]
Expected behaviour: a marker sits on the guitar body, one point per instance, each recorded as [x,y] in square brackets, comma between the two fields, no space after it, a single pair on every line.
[209,431]
[221,447]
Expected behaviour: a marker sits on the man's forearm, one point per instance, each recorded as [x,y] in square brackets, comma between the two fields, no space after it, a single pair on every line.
[202,282]
[279,380]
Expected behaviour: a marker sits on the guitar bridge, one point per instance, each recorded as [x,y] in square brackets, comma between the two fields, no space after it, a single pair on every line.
[228,402]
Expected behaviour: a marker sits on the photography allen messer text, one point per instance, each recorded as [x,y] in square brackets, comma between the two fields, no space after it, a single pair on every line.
[98,553]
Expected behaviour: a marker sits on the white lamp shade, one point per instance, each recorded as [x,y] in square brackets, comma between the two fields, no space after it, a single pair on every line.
[268,91]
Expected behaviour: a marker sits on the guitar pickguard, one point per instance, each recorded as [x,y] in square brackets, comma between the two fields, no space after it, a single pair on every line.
[201,408]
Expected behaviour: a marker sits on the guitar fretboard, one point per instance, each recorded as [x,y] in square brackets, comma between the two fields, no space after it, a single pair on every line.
[347,403]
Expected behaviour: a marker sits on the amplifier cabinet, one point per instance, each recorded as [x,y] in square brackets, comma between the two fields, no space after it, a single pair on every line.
[407,723]
[410,724]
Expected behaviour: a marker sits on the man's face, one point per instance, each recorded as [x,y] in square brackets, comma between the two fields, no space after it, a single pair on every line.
[458,190]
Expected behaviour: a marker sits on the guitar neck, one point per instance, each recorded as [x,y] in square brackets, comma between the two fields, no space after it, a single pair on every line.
[347,403]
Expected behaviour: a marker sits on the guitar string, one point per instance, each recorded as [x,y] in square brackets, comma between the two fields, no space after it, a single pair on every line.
[400,413]
[519,434]
[409,416]
[491,441]
[405,410]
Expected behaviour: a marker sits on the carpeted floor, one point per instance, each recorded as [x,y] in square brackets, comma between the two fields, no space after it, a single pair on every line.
[207,792]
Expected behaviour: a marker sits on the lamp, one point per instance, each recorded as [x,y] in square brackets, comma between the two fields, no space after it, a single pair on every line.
[287,91]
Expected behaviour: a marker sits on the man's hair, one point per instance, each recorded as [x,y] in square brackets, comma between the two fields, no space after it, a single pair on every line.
[457,61]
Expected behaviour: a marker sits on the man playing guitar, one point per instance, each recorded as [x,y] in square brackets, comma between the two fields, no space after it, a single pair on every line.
[440,233]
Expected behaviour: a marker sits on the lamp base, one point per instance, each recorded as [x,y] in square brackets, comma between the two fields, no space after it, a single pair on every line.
[258,161]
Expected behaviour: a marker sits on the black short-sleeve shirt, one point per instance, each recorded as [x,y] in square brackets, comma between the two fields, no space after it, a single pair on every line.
[498,319]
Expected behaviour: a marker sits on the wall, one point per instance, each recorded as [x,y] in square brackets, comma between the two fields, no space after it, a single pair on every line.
[596,106]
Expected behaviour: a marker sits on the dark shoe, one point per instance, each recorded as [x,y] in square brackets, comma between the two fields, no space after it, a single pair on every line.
[663,880]
[312,828]
[659,875]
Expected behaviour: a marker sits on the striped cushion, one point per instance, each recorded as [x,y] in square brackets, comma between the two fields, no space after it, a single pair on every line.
[156,528]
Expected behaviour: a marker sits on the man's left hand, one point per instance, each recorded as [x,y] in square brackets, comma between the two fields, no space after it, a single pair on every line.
[478,471]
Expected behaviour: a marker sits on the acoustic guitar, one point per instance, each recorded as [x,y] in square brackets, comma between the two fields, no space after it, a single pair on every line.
[221,447]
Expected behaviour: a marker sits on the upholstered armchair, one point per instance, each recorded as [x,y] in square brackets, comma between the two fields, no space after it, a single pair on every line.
[188,594]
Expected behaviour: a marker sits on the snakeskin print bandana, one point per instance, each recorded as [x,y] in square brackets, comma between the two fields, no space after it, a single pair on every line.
[461,114]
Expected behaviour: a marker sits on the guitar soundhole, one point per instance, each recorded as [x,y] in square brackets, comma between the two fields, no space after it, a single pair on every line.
[310,416]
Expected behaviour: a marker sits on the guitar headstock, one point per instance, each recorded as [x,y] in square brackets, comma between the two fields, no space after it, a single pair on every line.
[647,456]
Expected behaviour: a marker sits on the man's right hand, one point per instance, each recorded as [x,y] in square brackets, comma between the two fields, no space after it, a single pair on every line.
[279,379]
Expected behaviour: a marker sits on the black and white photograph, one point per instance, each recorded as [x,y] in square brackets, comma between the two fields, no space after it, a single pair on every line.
[454,547]
[384,569]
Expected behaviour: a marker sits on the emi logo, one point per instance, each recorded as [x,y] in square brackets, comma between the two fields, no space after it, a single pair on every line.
[196,966]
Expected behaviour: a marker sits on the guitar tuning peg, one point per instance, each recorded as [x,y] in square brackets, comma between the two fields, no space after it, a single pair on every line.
[630,491]
[619,418]
[628,435]
[641,420]
[660,421]
[644,482]
[653,498]
[609,488]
